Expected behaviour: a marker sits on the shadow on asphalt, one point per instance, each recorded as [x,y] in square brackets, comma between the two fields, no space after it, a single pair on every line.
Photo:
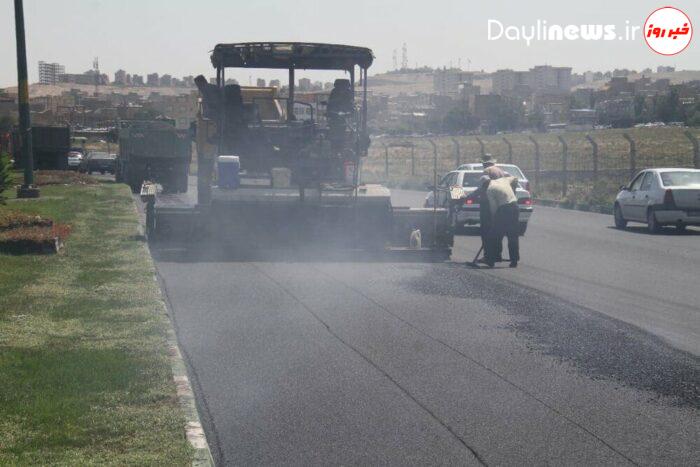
[216,253]
[665,231]
[597,345]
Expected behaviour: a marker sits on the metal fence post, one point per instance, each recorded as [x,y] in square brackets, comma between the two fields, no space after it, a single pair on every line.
[537,161]
[413,159]
[696,150]
[633,154]
[481,146]
[435,182]
[458,156]
[594,155]
[564,166]
[510,150]
[386,161]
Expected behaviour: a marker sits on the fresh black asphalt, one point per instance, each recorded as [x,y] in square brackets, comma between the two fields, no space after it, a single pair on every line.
[585,354]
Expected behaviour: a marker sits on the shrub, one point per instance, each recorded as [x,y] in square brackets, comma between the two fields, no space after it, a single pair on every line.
[36,234]
[14,220]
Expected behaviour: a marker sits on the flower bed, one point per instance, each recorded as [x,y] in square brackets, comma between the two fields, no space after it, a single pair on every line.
[62,177]
[22,233]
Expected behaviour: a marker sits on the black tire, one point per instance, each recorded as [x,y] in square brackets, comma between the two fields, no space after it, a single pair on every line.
[523,228]
[454,225]
[182,179]
[620,221]
[652,223]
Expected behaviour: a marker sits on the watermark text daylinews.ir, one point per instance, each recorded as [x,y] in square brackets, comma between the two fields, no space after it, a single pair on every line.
[667,31]
[541,30]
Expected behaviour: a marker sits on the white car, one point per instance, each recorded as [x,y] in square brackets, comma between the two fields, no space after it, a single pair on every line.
[510,169]
[660,197]
[457,185]
[75,158]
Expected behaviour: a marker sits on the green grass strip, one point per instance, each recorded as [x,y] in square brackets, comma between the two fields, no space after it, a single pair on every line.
[85,376]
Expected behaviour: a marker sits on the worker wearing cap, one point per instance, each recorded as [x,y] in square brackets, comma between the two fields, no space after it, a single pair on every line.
[490,168]
[503,205]
[493,172]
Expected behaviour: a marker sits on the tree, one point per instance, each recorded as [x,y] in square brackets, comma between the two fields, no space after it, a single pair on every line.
[694,118]
[506,118]
[536,120]
[458,120]
[640,107]
[6,123]
[145,114]
[669,108]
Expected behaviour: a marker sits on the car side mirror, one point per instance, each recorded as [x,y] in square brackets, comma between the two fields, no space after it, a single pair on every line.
[624,188]
[430,186]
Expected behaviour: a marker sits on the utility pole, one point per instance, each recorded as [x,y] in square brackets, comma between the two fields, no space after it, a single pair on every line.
[26,190]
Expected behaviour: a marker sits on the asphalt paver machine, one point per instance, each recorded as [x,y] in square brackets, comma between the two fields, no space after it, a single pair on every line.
[297,163]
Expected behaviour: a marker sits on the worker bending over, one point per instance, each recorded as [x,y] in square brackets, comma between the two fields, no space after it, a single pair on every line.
[503,204]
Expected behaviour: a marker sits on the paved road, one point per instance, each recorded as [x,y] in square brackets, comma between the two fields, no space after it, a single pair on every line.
[586,354]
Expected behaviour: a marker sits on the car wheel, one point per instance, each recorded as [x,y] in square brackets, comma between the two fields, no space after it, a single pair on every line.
[523,228]
[454,224]
[620,221]
[680,227]
[652,223]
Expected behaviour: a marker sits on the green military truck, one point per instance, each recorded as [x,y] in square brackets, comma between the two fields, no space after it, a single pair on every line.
[51,144]
[153,151]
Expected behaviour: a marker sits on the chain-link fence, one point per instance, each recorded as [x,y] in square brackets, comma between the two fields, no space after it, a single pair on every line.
[576,167]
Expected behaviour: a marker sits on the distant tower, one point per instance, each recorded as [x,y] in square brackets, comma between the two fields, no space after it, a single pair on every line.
[396,63]
[96,71]
[404,57]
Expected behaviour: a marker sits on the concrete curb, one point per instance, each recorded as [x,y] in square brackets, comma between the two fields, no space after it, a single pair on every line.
[601,209]
[193,426]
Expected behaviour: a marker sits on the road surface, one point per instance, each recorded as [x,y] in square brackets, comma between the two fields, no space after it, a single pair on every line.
[588,353]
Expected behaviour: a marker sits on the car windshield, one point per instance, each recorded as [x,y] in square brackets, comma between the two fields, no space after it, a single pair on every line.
[680,178]
[471,180]
[512,170]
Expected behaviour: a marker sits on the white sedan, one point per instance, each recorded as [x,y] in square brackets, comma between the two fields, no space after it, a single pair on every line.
[457,185]
[75,158]
[659,197]
[510,169]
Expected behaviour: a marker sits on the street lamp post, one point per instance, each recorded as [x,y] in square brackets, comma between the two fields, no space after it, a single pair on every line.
[27,189]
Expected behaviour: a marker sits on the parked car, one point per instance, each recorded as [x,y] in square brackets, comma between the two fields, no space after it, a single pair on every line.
[510,169]
[457,185]
[75,159]
[660,197]
[99,161]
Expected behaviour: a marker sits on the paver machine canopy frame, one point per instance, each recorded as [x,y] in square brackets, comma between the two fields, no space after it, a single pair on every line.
[290,56]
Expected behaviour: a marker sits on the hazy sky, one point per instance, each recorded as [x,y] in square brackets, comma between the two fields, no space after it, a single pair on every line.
[174,36]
